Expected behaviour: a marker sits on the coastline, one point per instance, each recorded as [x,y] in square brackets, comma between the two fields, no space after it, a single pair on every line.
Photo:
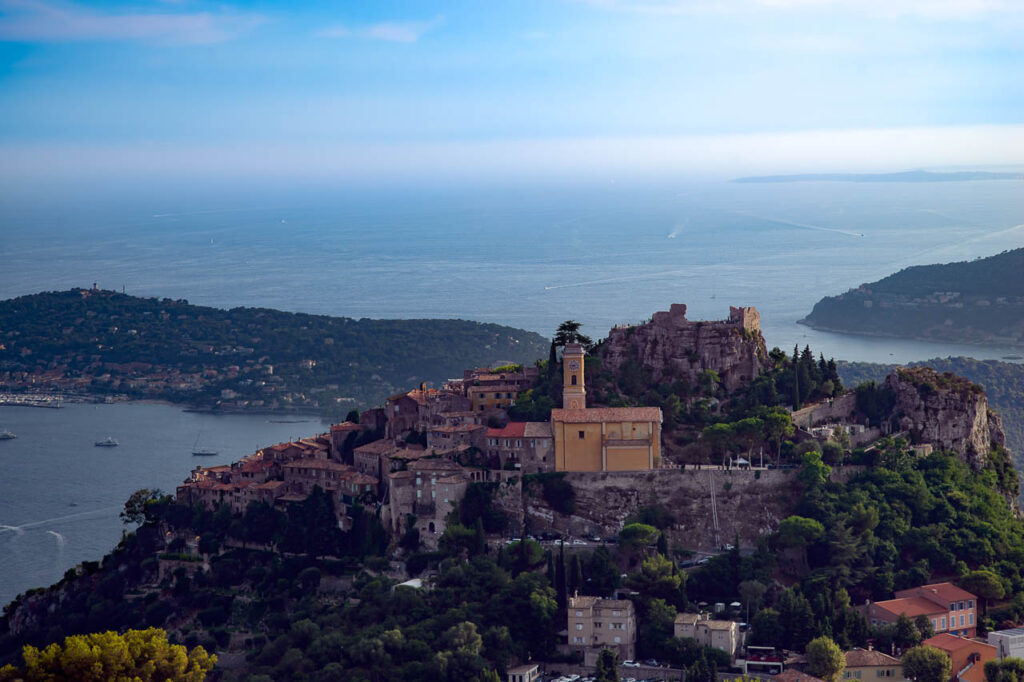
[1014,349]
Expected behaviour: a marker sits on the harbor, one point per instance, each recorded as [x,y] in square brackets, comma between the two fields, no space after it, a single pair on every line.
[52,401]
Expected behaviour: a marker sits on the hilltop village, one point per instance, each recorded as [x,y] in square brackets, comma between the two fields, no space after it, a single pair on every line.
[673,499]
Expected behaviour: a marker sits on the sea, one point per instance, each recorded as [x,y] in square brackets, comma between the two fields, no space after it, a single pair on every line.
[530,256]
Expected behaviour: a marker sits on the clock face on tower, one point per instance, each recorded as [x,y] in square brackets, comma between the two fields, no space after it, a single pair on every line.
[574,365]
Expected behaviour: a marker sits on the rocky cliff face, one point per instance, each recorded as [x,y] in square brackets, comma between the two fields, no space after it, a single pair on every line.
[945,410]
[671,347]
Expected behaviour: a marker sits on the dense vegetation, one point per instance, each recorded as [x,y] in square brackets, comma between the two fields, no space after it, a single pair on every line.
[181,352]
[902,522]
[1003,383]
[978,301]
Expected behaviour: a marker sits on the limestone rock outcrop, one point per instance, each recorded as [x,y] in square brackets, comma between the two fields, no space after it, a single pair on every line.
[671,347]
[945,410]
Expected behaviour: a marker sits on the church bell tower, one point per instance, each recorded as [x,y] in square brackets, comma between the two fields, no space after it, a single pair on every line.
[574,392]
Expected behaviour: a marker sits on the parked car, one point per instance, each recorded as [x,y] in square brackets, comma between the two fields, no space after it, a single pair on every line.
[577,541]
[631,664]
[651,662]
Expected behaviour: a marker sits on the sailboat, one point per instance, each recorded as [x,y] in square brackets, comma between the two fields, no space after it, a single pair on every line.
[201,452]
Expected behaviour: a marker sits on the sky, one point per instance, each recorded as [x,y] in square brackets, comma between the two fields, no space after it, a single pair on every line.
[486,89]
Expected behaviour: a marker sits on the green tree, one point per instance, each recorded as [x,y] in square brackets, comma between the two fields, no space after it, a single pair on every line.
[143,655]
[569,332]
[926,664]
[135,508]
[825,659]
[607,669]
[1009,669]
[752,592]
[766,628]
[986,585]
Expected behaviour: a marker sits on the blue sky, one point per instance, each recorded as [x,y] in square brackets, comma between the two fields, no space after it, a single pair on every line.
[528,87]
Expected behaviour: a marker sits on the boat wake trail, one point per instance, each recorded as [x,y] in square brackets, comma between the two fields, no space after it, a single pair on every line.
[21,529]
[805,226]
[60,538]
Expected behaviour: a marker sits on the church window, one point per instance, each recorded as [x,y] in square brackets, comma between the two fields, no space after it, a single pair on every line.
[573,380]
[581,434]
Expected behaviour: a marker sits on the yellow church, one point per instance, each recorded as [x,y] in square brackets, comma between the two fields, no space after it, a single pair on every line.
[601,438]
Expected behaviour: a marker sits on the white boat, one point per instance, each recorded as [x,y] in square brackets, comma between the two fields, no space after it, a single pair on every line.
[108,442]
[7,435]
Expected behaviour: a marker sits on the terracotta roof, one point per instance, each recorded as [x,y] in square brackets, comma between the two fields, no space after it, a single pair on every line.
[607,414]
[866,658]
[911,606]
[346,426]
[614,604]
[795,676]
[270,485]
[950,643]
[394,475]
[324,464]
[537,430]
[945,591]
[511,430]
[719,624]
[687,618]
[378,446]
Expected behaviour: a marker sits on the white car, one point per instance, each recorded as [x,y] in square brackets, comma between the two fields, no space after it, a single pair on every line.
[577,541]
[630,664]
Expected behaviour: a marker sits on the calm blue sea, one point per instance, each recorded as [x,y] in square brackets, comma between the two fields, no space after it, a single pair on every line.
[524,256]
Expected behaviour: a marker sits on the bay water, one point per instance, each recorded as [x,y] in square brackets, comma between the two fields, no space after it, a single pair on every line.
[526,256]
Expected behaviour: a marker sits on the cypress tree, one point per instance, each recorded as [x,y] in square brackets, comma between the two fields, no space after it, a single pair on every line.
[796,378]
[560,577]
[552,361]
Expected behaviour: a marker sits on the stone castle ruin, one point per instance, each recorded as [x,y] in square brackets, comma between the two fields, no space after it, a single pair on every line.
[672,347]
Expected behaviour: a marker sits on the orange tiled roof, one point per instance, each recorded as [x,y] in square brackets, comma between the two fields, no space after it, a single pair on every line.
[946,591]
[950,643]
[511,430]
[911,606]
[865,658]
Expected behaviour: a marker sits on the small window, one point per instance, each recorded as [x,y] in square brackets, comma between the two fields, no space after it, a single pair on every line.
[943,621]
[952,606]
[970,619]
[618,640]
[579,614]
[581,435]
[960,606]
[970,603]
[579,626]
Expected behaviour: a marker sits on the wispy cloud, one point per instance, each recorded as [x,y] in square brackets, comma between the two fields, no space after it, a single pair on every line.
[948,9]
[391,31]
[40,21]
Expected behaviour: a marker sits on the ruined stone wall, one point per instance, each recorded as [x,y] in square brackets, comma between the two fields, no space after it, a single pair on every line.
[671,347]
[837,410]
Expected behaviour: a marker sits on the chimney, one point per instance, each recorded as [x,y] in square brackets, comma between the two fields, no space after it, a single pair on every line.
[871,647]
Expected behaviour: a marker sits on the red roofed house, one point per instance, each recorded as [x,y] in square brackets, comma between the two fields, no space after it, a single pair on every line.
[967,655]
[948,607]
[525,445]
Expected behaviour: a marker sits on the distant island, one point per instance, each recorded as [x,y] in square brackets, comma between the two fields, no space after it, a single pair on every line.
[975,302]
[905,176]
[97,342]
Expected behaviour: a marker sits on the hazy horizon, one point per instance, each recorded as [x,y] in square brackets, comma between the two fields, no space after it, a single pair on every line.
[542,90]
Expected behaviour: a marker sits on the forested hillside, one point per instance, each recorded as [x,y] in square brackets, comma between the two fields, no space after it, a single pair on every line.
[243,358]
[980,301]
